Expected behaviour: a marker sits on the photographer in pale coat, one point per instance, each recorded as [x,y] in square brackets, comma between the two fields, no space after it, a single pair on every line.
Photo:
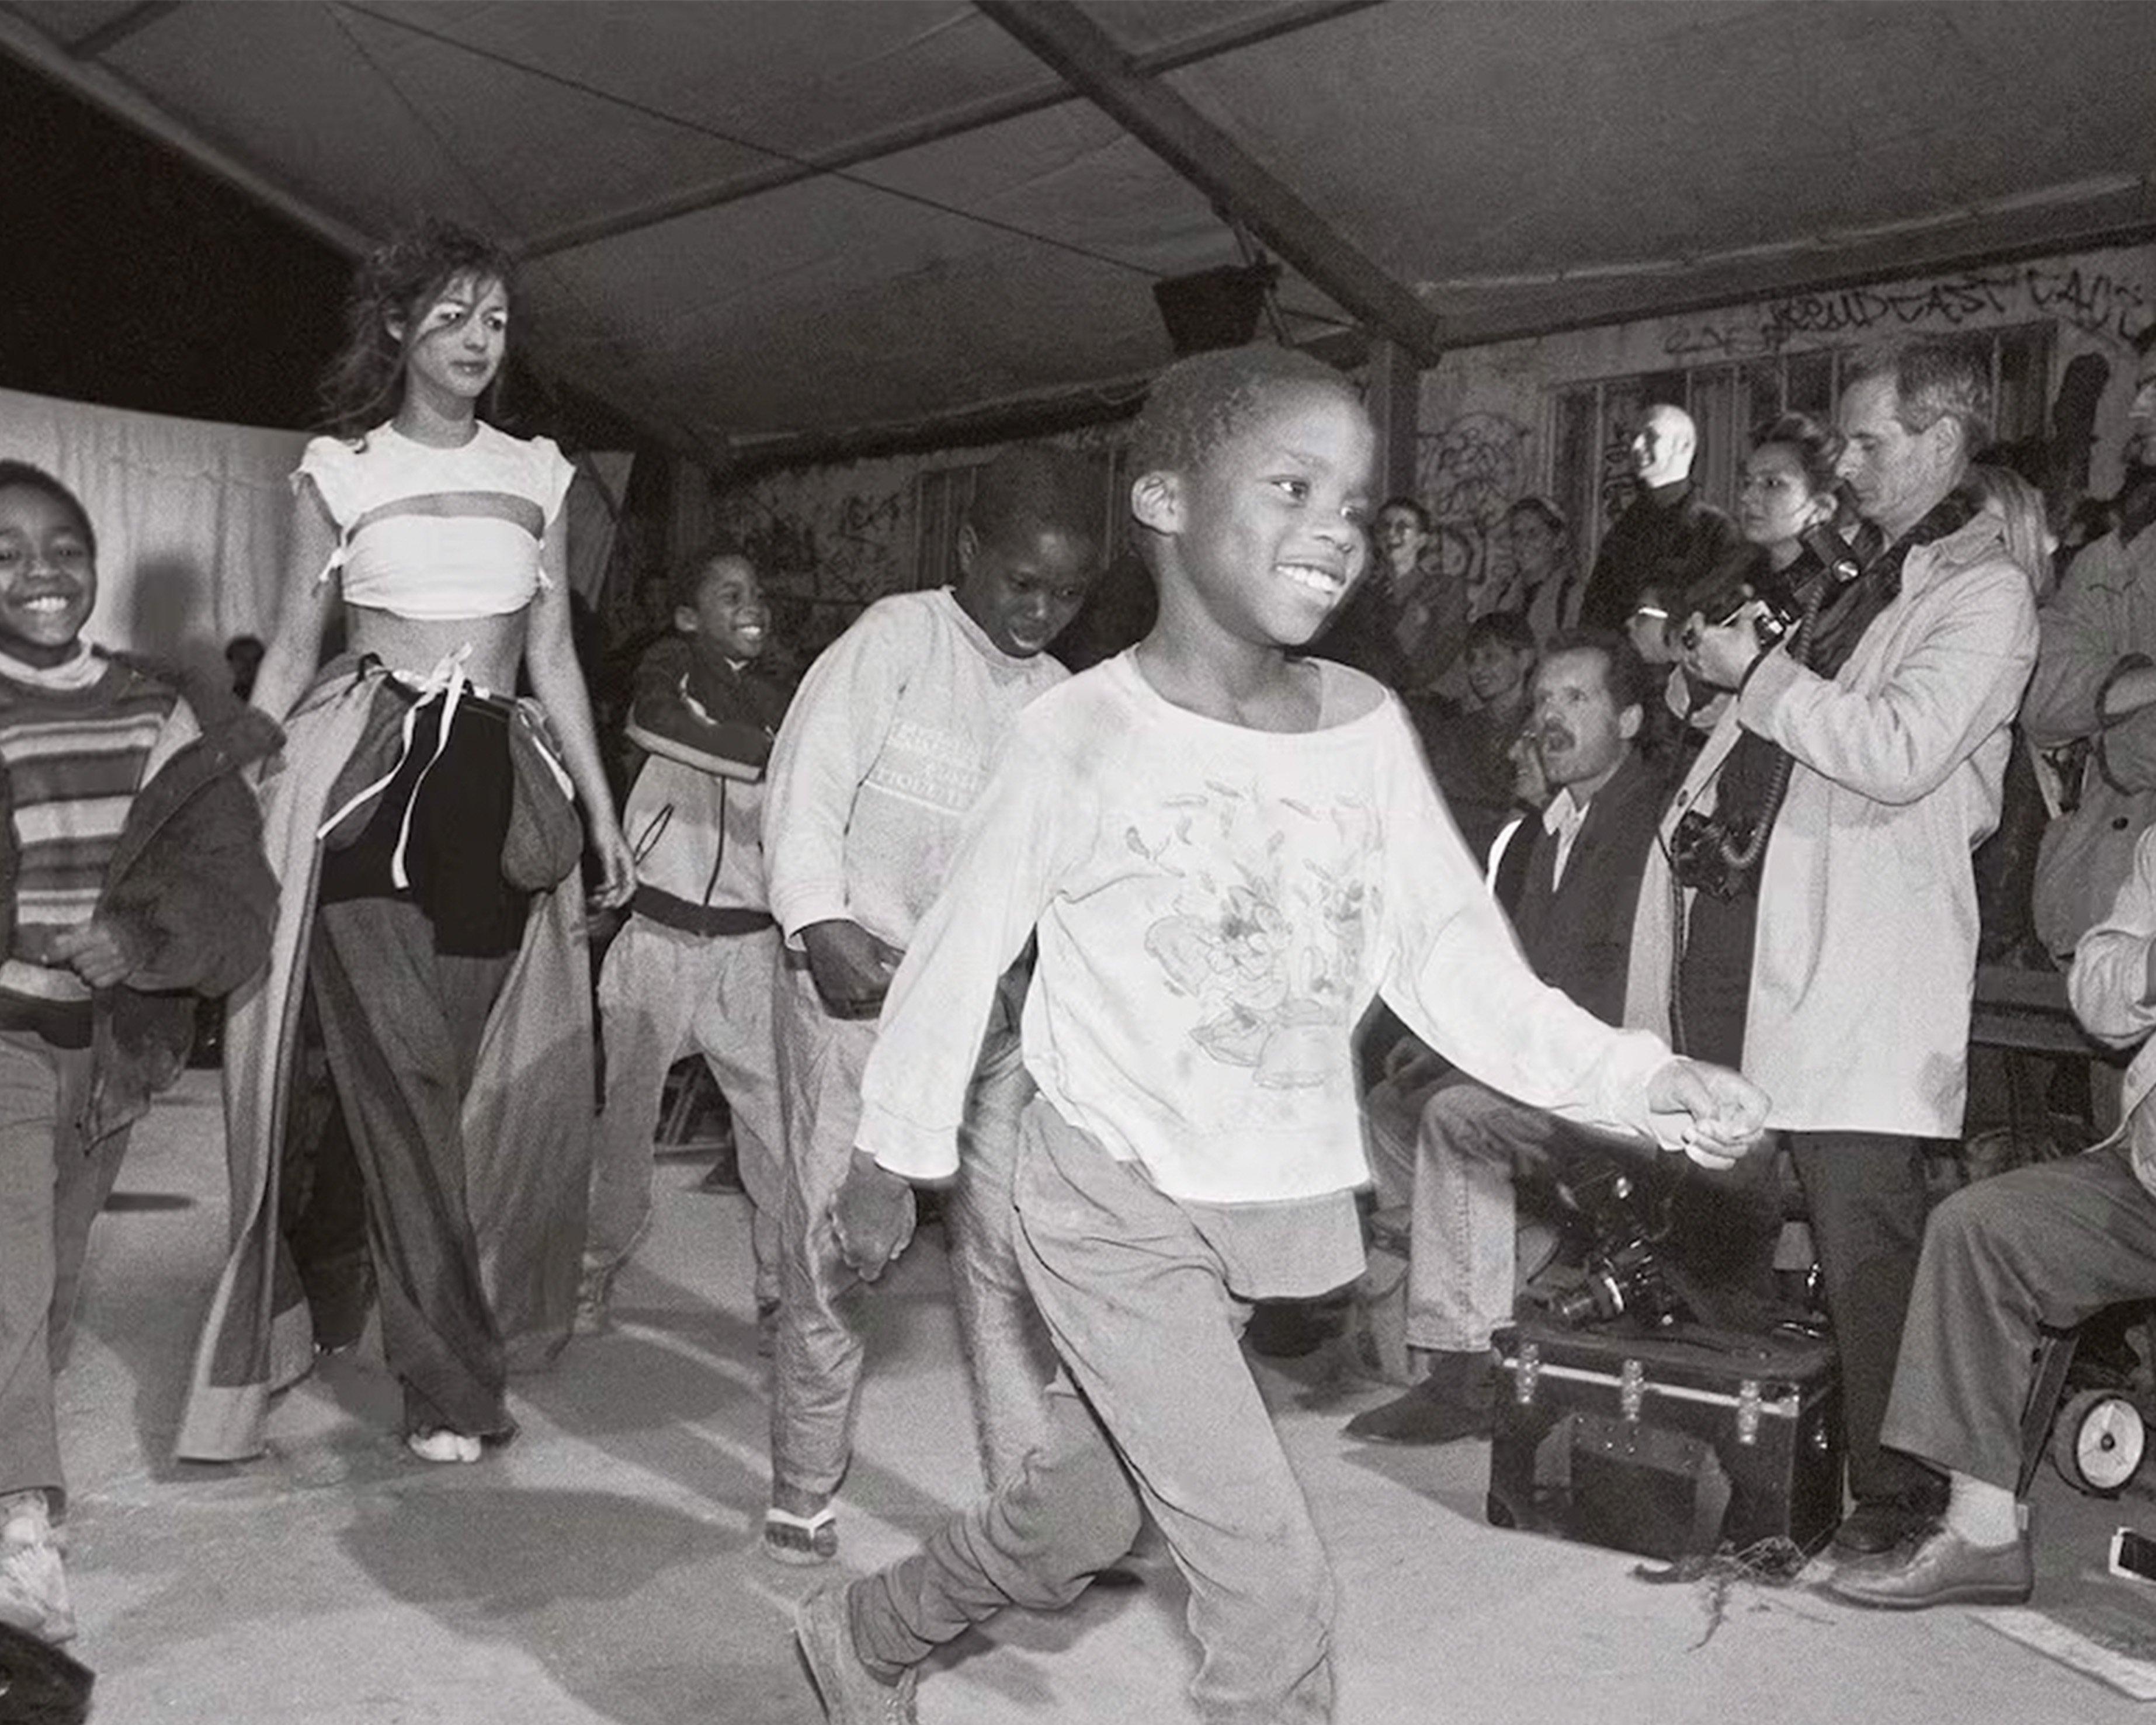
[1848,986]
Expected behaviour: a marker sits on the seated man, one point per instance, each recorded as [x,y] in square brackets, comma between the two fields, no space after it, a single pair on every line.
[2050,1244]
[1574,921]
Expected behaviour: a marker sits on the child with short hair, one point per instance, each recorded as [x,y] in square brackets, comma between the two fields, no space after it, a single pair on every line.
[132,881]
[1224,850]
[888,742]
[691,971]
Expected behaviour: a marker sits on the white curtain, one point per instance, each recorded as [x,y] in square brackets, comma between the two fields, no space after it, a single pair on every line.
[192,518]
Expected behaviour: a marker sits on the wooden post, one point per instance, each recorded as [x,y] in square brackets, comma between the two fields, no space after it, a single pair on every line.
[1395,403]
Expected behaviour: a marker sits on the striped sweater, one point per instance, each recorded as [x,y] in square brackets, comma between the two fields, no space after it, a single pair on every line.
[76,744]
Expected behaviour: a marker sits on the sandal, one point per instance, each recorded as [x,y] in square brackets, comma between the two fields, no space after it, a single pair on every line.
[801,1539]
[443,1444]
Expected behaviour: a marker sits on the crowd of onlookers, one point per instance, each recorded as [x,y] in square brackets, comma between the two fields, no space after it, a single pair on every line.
[1096,958]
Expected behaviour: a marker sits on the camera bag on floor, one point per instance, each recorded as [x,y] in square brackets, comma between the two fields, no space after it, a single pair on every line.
[1672,1442]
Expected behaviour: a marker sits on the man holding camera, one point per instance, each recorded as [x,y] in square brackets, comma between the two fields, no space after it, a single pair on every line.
[1823,924]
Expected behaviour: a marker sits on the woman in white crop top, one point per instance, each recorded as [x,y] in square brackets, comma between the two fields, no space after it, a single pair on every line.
[412,786]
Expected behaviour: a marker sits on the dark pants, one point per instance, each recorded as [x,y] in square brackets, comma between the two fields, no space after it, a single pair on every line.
[1868,1199]
[401,1022]
[2052,1245]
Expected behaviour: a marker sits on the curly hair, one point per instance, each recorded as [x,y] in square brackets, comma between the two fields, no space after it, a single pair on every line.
[21,474]
[398,282]
[1199,403]
[1816,447]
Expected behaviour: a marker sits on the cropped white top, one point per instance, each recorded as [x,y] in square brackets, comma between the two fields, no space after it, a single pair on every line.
[434,534]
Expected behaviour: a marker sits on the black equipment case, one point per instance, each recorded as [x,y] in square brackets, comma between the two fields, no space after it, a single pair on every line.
[1672,1442]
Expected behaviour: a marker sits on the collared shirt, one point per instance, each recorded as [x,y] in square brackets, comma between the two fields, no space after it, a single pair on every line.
[1562,819]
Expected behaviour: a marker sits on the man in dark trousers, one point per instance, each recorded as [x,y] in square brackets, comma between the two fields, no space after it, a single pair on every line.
[1574,921]
[1669,537]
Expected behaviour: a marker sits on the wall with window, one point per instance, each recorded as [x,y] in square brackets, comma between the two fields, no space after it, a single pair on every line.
[1553,415]
[1550,415]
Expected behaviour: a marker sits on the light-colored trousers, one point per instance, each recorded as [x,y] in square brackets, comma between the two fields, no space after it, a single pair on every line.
[1450,1173]
[1158,1406]
[1009,1356]
[664,994]
[50,1192]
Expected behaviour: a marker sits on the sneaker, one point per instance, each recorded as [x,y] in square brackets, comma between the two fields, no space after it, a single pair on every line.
[852,1694]
[34,1592]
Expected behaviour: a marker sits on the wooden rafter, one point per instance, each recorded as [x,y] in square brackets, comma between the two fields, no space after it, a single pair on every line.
[1068,41]
[1240,32]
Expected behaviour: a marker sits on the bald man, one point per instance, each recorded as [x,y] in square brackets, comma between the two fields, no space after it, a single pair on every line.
[1668,538]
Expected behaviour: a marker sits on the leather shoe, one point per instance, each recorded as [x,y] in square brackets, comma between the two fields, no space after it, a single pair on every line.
[1454,1401]
[1945,1570]
[1879,1524]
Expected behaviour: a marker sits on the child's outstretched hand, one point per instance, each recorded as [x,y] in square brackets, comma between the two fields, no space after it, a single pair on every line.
[852,967]
[872,1216]
[97,951]
[1725,1112]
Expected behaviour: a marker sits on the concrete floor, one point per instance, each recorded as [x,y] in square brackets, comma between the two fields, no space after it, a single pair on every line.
[604,1569]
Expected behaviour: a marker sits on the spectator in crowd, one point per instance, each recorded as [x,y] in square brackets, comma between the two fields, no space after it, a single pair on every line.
[1828,925]
[2096,682]
[2036,1248]
[1404,622]
[1223,852]
[1546,586]
[2006,862]
[1470,752]
[422,826]
[888,742]
[692,971]
[1668,537]
[134,881]
[1451,1173]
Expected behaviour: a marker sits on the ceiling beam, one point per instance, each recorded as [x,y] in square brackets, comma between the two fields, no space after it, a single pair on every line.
[1072,45]
[115,31]
[780,171]
[116,95]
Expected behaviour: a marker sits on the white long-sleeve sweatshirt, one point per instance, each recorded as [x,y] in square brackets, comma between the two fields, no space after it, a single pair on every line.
[1215,907]
[886,748]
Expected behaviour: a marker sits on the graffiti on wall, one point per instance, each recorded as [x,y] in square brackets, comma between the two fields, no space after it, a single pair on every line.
[826,542]
[2103,306]
[1467,476]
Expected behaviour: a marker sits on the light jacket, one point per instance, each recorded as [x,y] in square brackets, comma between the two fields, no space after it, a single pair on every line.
[2109,987]
[1857,1017]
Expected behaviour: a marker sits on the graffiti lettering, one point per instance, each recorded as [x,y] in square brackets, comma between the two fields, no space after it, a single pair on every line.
[2093,301]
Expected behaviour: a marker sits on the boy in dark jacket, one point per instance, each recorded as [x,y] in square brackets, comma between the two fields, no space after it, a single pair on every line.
[131,880]
[694,969]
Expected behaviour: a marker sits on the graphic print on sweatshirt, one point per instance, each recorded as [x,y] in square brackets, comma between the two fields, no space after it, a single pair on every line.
[1267,932]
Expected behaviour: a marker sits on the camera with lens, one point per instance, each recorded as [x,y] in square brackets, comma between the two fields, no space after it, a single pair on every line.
[1712,854]
[1623,1274]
